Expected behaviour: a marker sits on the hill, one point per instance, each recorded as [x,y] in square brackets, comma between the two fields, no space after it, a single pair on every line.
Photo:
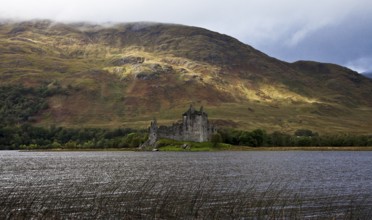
[126,74]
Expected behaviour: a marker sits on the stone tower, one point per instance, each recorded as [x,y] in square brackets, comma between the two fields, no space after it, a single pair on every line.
[195,125]
[153,132]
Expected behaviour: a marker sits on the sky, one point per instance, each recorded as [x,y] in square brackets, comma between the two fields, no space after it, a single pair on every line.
[332,31]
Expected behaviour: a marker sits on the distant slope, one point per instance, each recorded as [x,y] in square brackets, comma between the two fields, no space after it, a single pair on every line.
[125,74]
[337,84]
[367,74]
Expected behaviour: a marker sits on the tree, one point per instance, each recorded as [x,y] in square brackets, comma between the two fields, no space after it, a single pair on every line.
[259,137]
[305,133]
[216,139]
[245,138]
[280,139]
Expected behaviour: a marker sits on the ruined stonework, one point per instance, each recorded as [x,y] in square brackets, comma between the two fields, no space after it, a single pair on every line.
[194,127]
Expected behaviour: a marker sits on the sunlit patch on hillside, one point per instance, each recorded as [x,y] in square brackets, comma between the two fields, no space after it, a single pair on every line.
[283,94]
[142,65]
[262,92]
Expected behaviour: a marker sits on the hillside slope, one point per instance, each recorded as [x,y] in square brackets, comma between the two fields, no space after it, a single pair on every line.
[126,74]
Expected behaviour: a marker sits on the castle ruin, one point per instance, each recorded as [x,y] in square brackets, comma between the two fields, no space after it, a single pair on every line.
[194,127]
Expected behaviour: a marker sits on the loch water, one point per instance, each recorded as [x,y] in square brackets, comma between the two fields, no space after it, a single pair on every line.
[196,185]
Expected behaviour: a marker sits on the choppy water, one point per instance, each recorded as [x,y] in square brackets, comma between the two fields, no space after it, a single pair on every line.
[97,184]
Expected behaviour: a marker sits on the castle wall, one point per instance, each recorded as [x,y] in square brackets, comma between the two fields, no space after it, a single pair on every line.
[172,132]
[194,127]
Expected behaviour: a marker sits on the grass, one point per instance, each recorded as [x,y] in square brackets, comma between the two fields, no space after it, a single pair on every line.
[148,199]
[172,145]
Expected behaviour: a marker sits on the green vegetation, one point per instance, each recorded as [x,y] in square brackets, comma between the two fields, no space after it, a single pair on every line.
[301,137]
[18,104]
[128,73]
[172,145]
[30,137]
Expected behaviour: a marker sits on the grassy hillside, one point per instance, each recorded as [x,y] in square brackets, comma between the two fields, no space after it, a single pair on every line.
[126,74]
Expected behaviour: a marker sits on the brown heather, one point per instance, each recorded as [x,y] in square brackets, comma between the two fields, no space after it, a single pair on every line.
[126,74]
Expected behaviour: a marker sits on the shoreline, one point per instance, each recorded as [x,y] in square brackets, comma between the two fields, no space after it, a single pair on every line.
[294,148]
[232,148]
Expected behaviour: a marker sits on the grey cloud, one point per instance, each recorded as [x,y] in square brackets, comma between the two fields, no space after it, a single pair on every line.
[346,43]
[362,64]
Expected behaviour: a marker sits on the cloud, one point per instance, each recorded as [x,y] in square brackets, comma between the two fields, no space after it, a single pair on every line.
[225,13]
[361,65]
[301,33]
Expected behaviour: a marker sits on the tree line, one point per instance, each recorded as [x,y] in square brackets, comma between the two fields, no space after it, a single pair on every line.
[301,137]
[30,137]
